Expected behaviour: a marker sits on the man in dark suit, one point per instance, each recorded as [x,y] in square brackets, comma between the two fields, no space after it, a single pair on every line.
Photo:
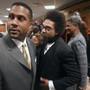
[15,72]
[56,66]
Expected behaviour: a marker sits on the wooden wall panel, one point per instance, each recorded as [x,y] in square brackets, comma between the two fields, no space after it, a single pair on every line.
[2,28]
[83,9]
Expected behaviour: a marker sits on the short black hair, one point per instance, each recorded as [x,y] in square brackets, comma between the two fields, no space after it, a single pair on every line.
[58,18]
[24,5]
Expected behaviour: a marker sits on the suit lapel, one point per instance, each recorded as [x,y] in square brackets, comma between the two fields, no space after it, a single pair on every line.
[17,55]
[51,50]
[32,54]
[15,52]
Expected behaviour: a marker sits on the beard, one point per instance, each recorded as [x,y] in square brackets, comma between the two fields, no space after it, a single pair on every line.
[44,37]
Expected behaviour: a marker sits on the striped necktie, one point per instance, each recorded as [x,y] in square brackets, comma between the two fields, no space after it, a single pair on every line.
[26,55]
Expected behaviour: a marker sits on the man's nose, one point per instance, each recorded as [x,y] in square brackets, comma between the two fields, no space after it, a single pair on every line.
[66,28]
[43,30]
[15,21]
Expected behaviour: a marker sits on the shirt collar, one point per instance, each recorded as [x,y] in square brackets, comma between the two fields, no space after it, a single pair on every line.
[19,43]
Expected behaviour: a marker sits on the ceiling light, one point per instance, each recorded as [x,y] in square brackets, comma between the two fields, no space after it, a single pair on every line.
[6,16]
[49,7]
[8,9]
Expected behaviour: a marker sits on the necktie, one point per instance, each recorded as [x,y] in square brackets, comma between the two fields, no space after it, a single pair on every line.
[26,55]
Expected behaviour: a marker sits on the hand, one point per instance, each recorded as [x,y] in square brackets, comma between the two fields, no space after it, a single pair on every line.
[44,84]
[81,89]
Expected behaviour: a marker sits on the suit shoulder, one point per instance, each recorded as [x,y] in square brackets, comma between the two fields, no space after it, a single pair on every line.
[31,41]
[62,48]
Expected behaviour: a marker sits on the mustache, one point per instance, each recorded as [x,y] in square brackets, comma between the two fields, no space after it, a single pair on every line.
[44,37]
[13,28]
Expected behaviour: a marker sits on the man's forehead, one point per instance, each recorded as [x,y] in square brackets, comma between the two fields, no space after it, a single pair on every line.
[18,8]
[48,22]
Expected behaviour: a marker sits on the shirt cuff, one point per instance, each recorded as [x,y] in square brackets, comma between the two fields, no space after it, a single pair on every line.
[82,88]
[51,85]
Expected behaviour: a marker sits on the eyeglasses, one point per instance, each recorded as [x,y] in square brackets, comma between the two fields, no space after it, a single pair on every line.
[47,28]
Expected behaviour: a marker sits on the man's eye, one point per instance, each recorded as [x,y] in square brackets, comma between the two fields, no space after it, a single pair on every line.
[21,18]
[11,16]
[48,28]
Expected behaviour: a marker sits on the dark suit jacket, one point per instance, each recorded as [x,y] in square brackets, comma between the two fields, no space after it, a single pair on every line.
[58,65]
[15,73]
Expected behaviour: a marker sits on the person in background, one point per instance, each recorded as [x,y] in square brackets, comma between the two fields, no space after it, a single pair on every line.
[56,67]
[79,46]
[37,38]
[64,36]
[83,27]
[30,31]
[40,24]
[17,72]
[35,29]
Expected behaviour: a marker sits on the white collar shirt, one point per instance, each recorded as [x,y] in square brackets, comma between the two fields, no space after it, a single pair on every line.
[48,46]
[19,45]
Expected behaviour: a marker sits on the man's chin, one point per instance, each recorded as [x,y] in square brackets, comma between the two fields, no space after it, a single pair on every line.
[45,39]
[13,36]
